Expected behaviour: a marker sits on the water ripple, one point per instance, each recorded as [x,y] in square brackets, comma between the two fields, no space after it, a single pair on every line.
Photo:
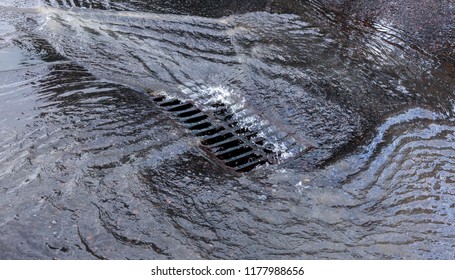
[90,167]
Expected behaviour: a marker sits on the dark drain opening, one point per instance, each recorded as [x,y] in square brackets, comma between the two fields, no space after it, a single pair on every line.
[233,152]
[242,159]
[159,98]
[196,119]
[170,103]
[188,113]
[226,144]
[228,118]
[250,165]
[220,112]
[246,133]
[200,126]
[180,107]
[259,141]
[216,139]
[211,131]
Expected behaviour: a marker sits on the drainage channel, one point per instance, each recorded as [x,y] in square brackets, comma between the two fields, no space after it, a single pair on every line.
[221,134]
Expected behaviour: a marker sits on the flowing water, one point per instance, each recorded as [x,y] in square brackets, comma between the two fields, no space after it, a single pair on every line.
[359,123]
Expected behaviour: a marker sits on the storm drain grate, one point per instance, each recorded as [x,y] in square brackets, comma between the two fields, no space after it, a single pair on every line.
[224,136]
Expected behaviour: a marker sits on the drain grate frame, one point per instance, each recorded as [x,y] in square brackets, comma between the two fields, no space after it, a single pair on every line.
[221,135]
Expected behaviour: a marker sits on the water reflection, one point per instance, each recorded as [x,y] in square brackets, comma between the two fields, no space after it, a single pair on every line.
[91,168]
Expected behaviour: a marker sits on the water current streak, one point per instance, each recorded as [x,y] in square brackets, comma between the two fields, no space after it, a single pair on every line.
[91,167]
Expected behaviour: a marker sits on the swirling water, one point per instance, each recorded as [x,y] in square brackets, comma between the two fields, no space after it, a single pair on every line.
[91,167]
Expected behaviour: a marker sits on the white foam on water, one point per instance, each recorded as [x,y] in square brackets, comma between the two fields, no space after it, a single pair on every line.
[206,96]
[166,94]
[221,94]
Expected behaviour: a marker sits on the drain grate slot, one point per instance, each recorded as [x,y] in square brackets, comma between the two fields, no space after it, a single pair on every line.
[209,131]
[188,113]
[180,107]
[242,159]
[217,138]
[170,103]
[250,165]
[233,152]
[220,111]
[200,126]
[194,119]
[246,133]
[227,137]
[206,131]
[226,144]
[159,98]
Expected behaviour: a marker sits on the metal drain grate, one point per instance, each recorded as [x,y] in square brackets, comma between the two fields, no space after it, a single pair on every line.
[237,147]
